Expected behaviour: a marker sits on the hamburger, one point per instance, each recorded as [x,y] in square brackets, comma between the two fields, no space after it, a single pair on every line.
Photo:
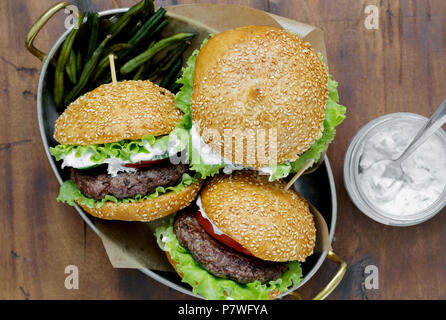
[123,145]
[243,239]
[258,86]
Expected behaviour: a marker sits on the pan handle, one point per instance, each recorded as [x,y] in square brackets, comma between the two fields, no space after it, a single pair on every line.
[38,25]
[329,288]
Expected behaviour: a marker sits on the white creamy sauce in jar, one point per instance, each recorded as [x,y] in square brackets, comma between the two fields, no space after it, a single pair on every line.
[425,169]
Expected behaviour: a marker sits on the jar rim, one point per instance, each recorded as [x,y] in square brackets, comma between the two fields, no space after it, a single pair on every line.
[351,176]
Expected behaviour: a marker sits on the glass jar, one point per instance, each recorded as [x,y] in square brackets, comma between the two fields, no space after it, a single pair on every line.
[352,175]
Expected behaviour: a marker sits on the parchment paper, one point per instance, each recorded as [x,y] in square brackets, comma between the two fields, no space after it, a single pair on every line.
[132,244]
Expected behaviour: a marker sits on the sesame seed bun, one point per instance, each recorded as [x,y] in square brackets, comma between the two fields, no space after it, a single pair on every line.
[272,223]
[115,112]
[146,210]
[259,77]
[272,295]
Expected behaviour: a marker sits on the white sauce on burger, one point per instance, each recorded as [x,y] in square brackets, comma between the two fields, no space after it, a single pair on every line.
[116,165]
[203,214]
[209,157]
[71,160]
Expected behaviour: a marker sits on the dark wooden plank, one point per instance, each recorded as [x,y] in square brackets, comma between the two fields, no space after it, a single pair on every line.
[39,236]
[396,68]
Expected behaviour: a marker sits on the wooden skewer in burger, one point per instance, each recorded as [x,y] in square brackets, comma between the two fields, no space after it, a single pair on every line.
[111,57]
[293,180]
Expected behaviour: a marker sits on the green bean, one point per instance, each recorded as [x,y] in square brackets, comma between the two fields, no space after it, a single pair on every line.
[148,10]
[174,57]
[157,30]
[144,67]
[153,50]
[78,64]
[138,74]
[135,28]
[122,22]
[87,71]
[62,61]
[69,74]
[142,70]
[171,76]
[105,62]
[93,26]
[73,64]
[70,67]
[115,48]
[107,77]
[100,68]
[156,73]
[90,66]
[170,59]
[113,31]
[149,7]
[143,31]
[147,27]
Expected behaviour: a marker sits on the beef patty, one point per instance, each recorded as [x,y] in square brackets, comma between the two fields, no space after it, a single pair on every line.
[96,183]
[219,259]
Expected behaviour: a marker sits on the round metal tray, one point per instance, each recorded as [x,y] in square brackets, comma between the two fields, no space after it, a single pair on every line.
[318,187]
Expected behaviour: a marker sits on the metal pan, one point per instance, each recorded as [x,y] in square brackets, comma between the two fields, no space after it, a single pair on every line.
[318,187]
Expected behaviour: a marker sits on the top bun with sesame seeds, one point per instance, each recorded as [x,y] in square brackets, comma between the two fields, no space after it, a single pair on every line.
[255,79]
[116,112]
[272,223]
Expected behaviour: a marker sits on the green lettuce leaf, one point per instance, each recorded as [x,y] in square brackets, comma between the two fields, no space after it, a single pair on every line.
[334,115]
[182,101]
[182,98]
[198,165]
[280,171]
[123,149]
[214,288]
[69,193]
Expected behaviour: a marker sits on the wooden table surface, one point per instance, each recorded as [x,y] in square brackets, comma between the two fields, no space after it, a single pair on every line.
[399,67]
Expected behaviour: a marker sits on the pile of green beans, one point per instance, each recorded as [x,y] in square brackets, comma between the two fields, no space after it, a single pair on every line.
[62,61]
[134,38]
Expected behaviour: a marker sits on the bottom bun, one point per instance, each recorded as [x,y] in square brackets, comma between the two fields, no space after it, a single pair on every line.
[146,210]
[272,295]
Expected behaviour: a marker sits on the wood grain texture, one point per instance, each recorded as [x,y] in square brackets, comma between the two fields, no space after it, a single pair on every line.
[399,67]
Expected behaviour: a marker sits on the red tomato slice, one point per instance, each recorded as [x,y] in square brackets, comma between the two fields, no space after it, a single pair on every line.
[206,224]
[144,164]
